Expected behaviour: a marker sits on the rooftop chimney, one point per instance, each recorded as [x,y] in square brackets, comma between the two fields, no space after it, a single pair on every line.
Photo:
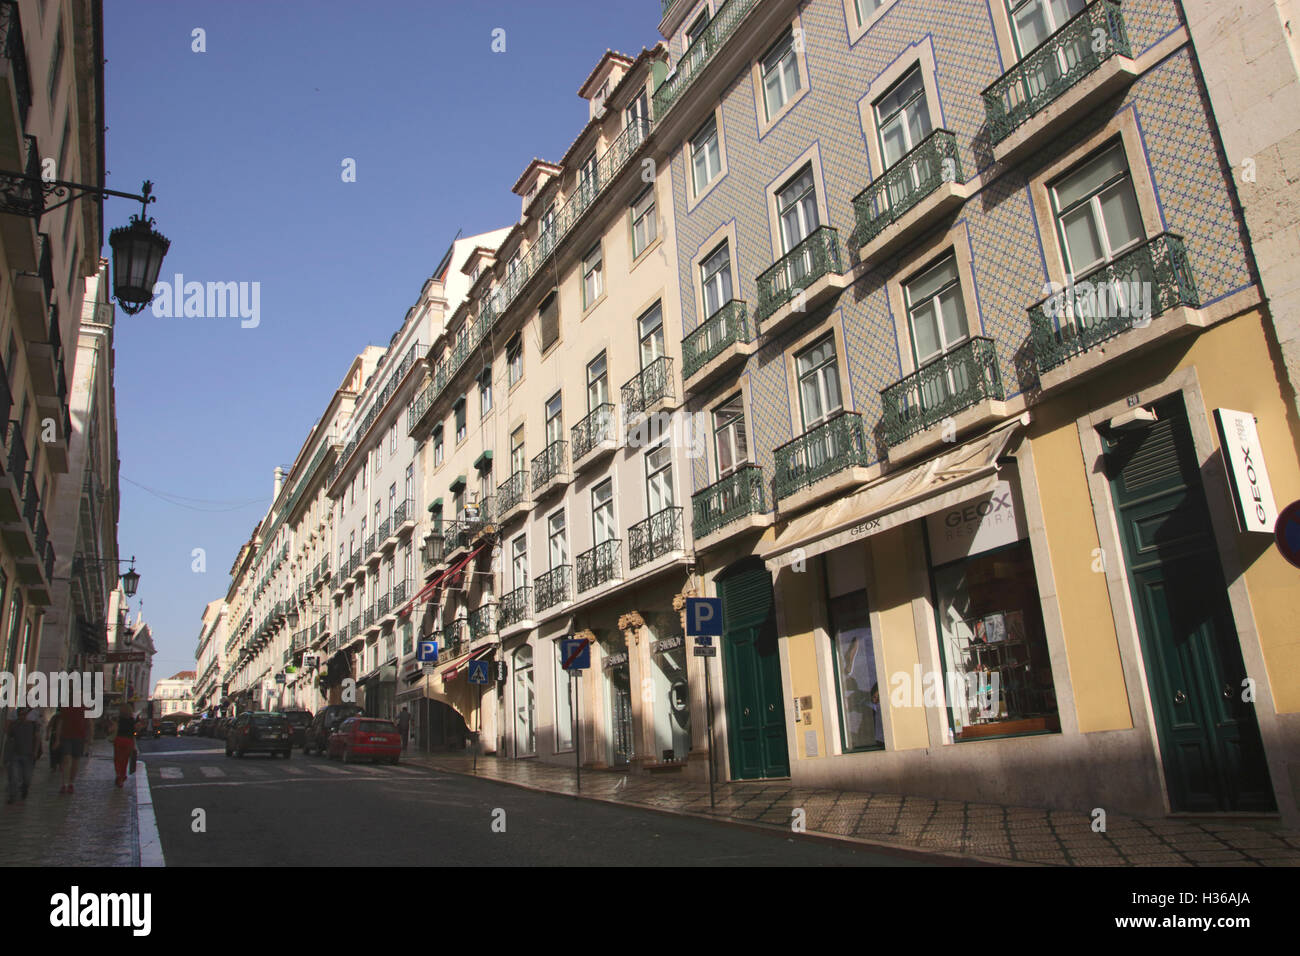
[279,481]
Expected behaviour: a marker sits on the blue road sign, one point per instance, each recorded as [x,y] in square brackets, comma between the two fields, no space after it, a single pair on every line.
[427,652]
[1287,533]
[704,616]
[576,653]
[478,672]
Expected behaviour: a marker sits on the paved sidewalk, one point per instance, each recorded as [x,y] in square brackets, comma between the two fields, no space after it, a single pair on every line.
[96,826]
[981,831]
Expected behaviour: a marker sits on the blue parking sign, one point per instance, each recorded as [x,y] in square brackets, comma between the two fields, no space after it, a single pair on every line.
[704,616]
[427,652]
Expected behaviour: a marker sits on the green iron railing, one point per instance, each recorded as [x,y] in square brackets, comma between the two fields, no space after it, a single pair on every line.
[941,388]
[902,186]
[554,586]
[1077,49]
[454,639]
[820,452]
[483,621]
[741,493]
[724,328]
[699,54]
[1139,285]
[654,383]
[512,491]
[816,256]
[657,535]
[598,565]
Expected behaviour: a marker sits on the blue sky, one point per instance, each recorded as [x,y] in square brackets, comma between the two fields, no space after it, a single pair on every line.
[245,144]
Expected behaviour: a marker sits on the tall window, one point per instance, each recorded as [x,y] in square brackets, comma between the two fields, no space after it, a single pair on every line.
[659,478]
[554,419]
[644,226]
[437,447]
[937,316]
[694,31]
[597,383]
[546,232]
[485,393]
[780,74]
[557,543]
[650,328]
[593,279]
[563,702]
[602,512]
[392,439]
[1036,20]
[587,181]
[796,206]
[409,486]
[519,561]
[819,383]
[461,428]
[517,461]
[706,157]
[548,317]
[1097,212]
[865,8]
[515,360]
[902,117]
[715,275]
[525,703]
[392,499]
[729,435]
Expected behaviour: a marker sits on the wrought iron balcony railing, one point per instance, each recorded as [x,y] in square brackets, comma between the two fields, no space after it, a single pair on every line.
[1137,286]
[553,587]
[729,325]
[740,494]
[657,535]
[515,606]
[355,627]
[816,256]
[599,426]
[698,55]
[401,591]
[385,529]
[550,464]
[17,451]
[454,639]
[901,187]
[13,50]
[455,535]
[512,491]
[369,616]
[370,545]
[403,514]
[820,452]
[654,383]
[483,621]
[941,388]
[598,565]
[1077,49]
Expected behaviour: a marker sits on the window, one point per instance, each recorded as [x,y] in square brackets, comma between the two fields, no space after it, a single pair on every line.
[525,703]
[650,327]
[519,561]
[392,500]
[694,31]
[392,439]
[780,75]
[644,226]
[637,111]
[659,478]
[819,383]
[485,393]
[602,512]
[546,232]
[729,435]
[865,8]
[593,281]
[796,207]
[706,157]
[437,446]
[1097,212]
[937,317]
[715,274]
[1035,20]
[461,428]
[563,702]
[902,117]
[517,460]
[514,360]
[379,454]
[549,319]
[588,182]
[597,383]
[558,547]
[554,419]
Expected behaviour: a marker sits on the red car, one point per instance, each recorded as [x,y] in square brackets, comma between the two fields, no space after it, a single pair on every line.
[366,737]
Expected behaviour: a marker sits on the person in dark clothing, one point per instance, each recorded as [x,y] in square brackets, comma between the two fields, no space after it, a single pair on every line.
[123,743]
[73,730]
[404,724]
[24,748]
[54,741]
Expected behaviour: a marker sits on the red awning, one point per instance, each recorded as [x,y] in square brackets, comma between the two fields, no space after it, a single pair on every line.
[437,582]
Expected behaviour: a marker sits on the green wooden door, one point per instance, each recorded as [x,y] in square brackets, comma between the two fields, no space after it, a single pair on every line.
[751,667]
[1209,736]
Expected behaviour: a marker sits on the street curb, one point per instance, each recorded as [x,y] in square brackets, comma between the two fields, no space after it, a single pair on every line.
[151,853]
[815,836]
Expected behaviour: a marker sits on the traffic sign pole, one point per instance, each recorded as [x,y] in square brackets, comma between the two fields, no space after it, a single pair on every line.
[577,726]
[708,704]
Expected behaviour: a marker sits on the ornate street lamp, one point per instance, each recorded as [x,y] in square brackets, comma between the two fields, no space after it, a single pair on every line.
[293,617]
[130,580]
[138,251]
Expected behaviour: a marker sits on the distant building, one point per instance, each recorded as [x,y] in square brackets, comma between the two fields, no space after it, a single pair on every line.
[174,695]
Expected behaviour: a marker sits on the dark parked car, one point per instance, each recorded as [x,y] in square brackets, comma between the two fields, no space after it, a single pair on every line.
[205,726]
[300,721]
[165,728]
[259,730]
[366,737]
[327,721]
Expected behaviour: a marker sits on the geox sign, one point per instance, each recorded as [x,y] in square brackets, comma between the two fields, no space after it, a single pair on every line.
[1251,492]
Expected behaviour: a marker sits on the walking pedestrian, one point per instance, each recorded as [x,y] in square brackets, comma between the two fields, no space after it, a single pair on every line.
[123,743]
[24,748]
[404,724]
[55,742]
[74,727]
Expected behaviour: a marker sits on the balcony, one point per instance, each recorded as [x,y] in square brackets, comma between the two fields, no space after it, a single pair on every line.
[371,548]
[736,504]
[698,55]
[455,641]
[384,531]
[401,591]
[15,461]
[404,517]
[369,617]
[554,588]
[825,460]
[456,538]
[483,622]
[34,293]
[599,566]
[798,282]
[1145,296]
[1082,64]
[960,389]
[718,346]
[354,629]
[383,606]
[910,197]
[516,608]
[595,437]
[651,390]
[513,498]
[13,65]
[551,469]
[22,201]
[356,567]
[655,537]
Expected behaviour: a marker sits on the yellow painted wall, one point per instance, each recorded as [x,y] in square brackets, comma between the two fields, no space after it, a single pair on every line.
[799,593]
[892,590]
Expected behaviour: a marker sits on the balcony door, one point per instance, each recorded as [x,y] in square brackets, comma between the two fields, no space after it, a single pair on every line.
[796,207]
[558,543]
[903,120]
[519,561]
[554,420]
[602,513]
[936,315]
[597,383]
[1033,22]
[650,328]
[659,478]
[819,400]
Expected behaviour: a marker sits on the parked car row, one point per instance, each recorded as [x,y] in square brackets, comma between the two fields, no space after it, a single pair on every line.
[338,731]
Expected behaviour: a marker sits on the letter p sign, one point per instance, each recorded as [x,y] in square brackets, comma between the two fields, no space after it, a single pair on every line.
[704,616]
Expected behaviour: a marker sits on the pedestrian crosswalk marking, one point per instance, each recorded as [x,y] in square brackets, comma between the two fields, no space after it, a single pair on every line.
[254,772]
[171,773]
[294,770]
[212,771]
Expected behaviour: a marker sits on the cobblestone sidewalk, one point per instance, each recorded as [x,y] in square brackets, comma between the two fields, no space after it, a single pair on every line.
[981,831]
[95,826]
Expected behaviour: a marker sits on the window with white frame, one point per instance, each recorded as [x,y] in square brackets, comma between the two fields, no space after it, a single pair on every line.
[517,460]
[461,426]
[796,207]
[557,540]
[597,383]
[554,419]
[519,561]
[902,117]
[659,477]
[514,360]
[780,70]
[1097,213]
[697,28]
[650,328]
[865,8]
[644,226]
[485,393]
[437,446]
[730,439]
[593,280]
[819,383]
[936,314]
[602,512]
[715,278]
[409,495]
[706,156]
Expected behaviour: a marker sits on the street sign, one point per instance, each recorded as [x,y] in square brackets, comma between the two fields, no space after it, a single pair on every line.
[575,653]
[430,669]
[279,678]
[704,616]
[705,640]
[502,671]
[706,651]
[1287,533]
[124,657]
[478,672]
[427,652]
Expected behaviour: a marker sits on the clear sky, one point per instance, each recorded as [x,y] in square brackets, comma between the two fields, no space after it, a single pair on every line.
[245,144]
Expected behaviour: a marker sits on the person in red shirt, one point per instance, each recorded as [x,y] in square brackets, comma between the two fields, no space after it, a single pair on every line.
[73,729]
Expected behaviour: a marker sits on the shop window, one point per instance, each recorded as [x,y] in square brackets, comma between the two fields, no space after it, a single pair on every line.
[672,698]
[618,690]
[856,681]
[525,703]
[563,702]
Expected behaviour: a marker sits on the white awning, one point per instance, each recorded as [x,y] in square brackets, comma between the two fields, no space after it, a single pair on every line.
[959,474]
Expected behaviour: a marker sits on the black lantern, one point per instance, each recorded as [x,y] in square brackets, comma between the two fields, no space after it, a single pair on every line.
[138,251]
[130,581]
[293,617]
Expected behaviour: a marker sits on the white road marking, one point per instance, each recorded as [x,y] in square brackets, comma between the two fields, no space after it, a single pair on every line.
[212,771]
[171,773]
[294,770]
[328,769]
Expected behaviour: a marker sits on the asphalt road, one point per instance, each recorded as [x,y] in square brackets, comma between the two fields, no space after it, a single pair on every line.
[310,811]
